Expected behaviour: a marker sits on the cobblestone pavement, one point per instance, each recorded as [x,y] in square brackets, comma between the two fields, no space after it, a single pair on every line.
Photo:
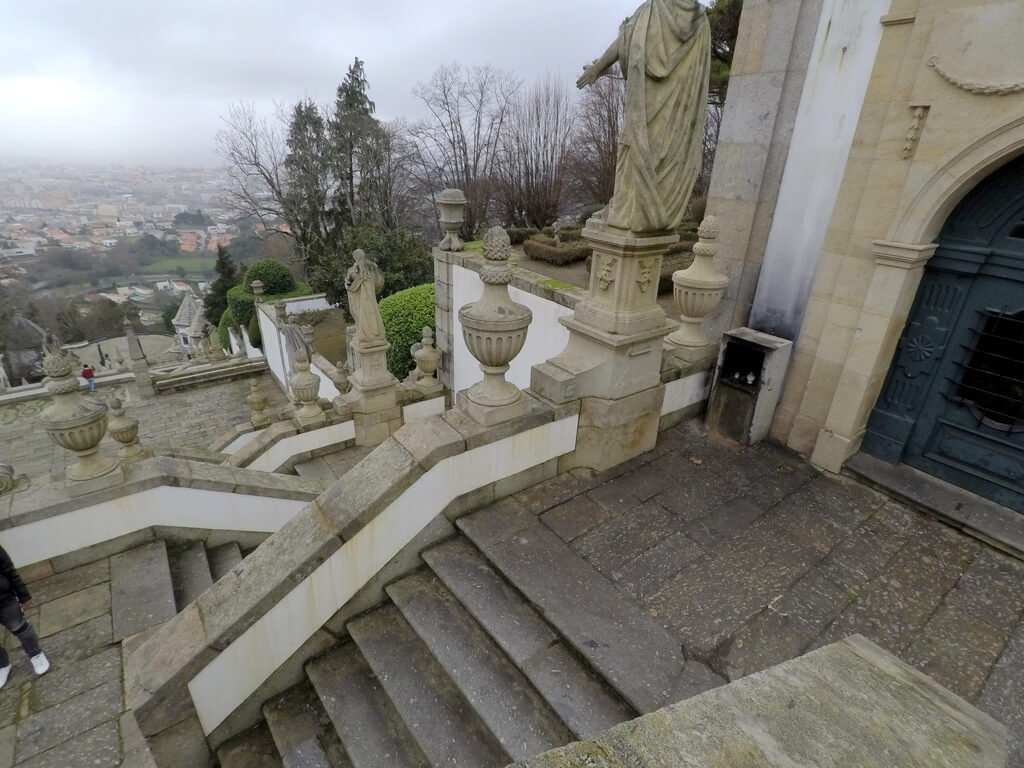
[71,716]
[753,558]
[190,418]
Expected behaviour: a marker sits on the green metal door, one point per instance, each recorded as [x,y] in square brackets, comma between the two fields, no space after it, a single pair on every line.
[953,402]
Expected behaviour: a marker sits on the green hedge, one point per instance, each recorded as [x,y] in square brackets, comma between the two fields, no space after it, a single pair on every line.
[404,315]
[243,304]
[544,249]
[255,337]
[518,235]
[276,277]
[227,322]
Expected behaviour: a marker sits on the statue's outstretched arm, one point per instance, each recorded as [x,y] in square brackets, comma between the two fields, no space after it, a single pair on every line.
[599,67]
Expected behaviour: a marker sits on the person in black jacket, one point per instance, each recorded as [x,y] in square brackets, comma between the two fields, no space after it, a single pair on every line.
[14,597]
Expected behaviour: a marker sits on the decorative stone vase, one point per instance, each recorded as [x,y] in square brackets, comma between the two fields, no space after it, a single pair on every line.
[74,423]
[256,286]
[340,378]
[305,386]
[494,327]
[698,289]
[427,358]
[257,402]
[452,204]
[125,430]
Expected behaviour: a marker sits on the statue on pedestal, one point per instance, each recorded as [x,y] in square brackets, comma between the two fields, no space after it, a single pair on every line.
[664,51]
[364,281]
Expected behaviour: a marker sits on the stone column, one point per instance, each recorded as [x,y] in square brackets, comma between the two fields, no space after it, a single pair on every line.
[894,282]
[139,364]
[494,328]
[612,362]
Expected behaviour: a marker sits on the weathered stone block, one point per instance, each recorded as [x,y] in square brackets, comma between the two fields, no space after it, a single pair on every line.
[368,487]
[477,434]
[613,431]
[430,440]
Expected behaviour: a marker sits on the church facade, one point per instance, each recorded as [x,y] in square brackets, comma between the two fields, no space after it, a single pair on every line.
[870,185]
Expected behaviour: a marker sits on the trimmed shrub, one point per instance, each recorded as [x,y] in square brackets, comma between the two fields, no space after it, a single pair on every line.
[404,314]
[570,234]
[587,211]
[671,263]
[518,235]
[543,248]
[243,304]
[255,338]
[276,277]
[227,322]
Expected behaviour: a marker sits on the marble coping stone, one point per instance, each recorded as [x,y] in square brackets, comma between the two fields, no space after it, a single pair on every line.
[849,703]
[43,501]
[523,279]
[155,676]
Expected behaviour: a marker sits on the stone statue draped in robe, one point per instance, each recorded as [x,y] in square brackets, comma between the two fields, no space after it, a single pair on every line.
[664,51]
[364,281]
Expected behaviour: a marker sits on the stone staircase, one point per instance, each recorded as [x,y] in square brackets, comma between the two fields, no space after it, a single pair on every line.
[151,583]
[469,664]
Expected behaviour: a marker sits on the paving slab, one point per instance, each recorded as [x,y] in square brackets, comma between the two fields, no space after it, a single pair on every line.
[75,608]
[500,695]
[75,580]
[68,720]
[79,641]
[99,747]
[142,595]
[7,746]
[614,544]
[573,518]
[1003,696]
[223,559]
[252,749]
[65,680]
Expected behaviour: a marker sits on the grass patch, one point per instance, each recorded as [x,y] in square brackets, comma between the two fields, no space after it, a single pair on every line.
[852,597]
[169,266]
[473,245]
[558,285]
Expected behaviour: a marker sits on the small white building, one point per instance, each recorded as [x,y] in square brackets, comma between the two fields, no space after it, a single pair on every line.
[190,309]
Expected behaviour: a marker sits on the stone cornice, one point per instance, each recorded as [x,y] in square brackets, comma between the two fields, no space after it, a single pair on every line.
[901,255]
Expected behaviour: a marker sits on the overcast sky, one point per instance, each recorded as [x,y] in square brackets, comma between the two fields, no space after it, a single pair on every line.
[145,82]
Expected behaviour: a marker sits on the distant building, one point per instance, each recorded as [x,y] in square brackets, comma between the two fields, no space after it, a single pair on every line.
[190,309]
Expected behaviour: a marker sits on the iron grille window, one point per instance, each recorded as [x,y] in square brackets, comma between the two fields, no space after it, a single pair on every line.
[993,377]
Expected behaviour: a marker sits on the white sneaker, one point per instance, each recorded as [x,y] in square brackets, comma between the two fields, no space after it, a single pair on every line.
[40,663]
[4,674]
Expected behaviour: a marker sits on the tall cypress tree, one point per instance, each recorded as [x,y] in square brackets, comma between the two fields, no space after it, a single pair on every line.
[352,123]
[216,301]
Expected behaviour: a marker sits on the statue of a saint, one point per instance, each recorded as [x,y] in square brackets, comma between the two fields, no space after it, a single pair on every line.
[664,51]
[364,281]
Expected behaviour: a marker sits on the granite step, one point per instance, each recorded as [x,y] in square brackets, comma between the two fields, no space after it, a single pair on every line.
[442,722]
[141,592]
[190,572]
[369,727]
[579,697]
[318,469]
[252,749]
[223,559]
[302,732]
[625,645]
[501,696]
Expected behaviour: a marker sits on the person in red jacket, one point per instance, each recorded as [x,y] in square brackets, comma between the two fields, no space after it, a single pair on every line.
[14,598]
[89,374]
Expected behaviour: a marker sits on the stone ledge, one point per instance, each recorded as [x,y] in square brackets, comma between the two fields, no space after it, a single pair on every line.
[218,372]
[527,280]
[850,703]
[53,500]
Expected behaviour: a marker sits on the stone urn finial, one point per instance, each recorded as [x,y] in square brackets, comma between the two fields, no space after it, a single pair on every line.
[305,386]
[494,328]
[125,430]
[340,378]
[257,402]
[697,290]
[256,286]
[73,422]
[452,203]
[427,358]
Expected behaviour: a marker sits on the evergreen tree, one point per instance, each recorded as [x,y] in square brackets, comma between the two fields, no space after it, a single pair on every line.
[352,124]
[216,301]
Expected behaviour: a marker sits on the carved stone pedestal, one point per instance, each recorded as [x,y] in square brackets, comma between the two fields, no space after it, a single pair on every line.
[373,397]
[612,362]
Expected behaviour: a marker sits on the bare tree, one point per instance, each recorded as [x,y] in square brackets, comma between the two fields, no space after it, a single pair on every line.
[596,139]
[530,175]
[389,192]
[458,144]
